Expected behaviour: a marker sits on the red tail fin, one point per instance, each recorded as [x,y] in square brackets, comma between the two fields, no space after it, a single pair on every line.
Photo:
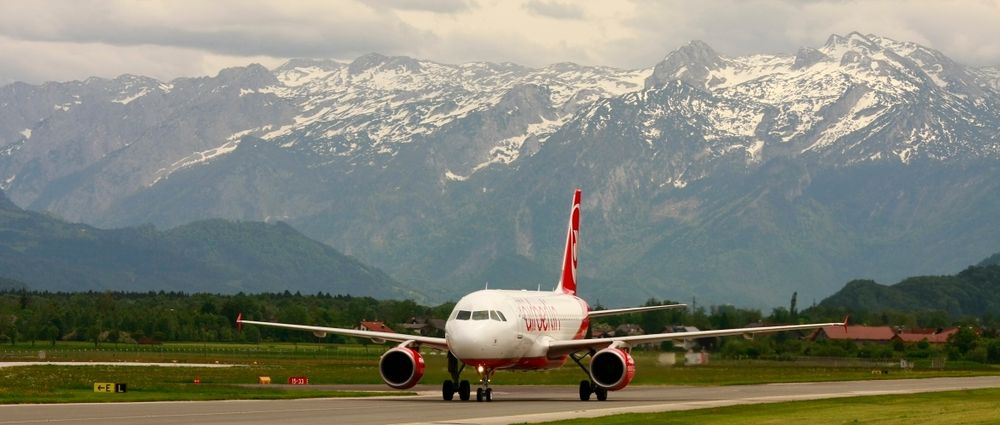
[567,283]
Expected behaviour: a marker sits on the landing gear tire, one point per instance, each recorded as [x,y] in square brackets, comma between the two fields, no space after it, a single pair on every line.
[602,394]
[489,394]
[448,390]
[585,390]
[479,394]
[464,390]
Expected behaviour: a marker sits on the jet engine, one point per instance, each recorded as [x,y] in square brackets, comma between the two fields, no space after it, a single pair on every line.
[401,367]
[612,368]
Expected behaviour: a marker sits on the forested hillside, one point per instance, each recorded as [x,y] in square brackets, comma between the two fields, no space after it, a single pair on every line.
[974,292]
[46,253]
[994,260]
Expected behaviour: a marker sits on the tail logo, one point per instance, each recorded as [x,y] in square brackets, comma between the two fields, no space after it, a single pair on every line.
[575,234]
[567,283]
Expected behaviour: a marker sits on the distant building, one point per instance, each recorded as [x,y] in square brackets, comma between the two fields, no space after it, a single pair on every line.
[693,358]
[875,334]
[933,336]
[601,330]
[374,326]
[629,329]
[419,325]
[688,344]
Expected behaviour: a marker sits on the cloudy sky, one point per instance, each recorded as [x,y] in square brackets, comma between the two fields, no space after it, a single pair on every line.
[65,40]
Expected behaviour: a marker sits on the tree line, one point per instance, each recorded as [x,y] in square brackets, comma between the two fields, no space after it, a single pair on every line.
[151,317]
[154,317]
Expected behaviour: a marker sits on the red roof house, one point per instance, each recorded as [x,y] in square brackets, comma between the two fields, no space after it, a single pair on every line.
[374,326]
[933,336]
[854,333]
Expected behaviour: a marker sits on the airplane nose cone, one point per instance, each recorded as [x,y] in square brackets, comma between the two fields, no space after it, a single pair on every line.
[474,342]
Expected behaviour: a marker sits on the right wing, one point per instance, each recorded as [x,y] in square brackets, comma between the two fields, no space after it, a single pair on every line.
[557,348]
[433,342]
[613,312]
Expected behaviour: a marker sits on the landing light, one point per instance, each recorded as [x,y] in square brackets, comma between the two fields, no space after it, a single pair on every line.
[480,368]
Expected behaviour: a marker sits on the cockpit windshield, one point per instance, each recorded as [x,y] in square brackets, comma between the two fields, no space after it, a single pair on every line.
[495,315]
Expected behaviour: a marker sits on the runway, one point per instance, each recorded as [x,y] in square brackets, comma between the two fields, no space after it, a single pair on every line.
[511,404]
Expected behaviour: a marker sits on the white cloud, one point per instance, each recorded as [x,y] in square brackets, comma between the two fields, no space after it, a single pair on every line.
[40,61]
[555,9]
[56,40]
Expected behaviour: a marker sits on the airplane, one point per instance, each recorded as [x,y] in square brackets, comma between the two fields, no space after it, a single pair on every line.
[493,329]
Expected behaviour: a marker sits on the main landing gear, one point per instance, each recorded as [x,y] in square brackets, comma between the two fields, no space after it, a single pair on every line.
[453,385]
[448,390]
[588,387]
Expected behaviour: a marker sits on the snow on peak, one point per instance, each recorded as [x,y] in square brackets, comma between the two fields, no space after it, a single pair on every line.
[125,98]
[454,177]
[199,157]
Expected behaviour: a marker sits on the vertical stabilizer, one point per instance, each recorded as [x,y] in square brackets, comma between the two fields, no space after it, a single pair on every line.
[567,283]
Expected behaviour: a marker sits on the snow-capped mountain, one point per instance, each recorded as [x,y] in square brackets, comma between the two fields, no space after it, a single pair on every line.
[367,109]
[857,98]
[439,173]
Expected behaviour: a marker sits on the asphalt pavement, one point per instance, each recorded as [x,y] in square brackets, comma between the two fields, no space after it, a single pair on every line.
[511,404]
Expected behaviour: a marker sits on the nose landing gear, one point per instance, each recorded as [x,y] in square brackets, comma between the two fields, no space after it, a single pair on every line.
[463,388]
[484,392]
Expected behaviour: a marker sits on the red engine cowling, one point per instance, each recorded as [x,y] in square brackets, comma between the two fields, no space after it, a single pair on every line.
[612,368]
[401,367]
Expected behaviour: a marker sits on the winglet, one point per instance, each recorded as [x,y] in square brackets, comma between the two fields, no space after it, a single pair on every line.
[845,322]
[567,283]
[239,322]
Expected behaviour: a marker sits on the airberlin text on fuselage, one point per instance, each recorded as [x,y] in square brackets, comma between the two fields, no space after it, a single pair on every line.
[538,315]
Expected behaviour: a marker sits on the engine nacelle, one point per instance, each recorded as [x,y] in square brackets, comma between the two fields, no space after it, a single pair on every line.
[612,368]
[401,367]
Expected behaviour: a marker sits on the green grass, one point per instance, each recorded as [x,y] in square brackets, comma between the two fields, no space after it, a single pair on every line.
[953,407]
[62,384]
[350,364]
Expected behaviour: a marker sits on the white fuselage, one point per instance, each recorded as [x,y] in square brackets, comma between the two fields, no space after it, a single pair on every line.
[502,329]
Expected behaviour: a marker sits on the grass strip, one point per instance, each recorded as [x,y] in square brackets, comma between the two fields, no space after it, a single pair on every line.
[950,407]
[64,384]
[180,393]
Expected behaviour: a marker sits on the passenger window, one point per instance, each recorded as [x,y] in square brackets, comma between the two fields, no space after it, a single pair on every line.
[502,318]
[494,316]
[463,315]
[480,315]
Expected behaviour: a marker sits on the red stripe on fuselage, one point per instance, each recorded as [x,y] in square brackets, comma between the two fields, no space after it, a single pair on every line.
[525,363]
[585,323]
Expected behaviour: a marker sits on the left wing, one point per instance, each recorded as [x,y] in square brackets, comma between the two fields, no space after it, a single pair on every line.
[433,342]
[558,348]
[617,311]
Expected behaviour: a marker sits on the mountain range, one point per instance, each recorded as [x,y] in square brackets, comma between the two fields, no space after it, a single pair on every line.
[730,179]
